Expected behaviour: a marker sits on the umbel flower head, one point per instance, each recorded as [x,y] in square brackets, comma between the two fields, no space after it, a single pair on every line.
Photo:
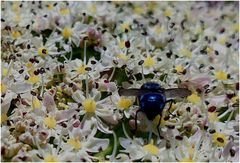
[63,63]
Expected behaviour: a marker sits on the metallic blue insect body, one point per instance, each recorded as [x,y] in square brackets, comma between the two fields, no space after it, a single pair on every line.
[153,98]
[152,103]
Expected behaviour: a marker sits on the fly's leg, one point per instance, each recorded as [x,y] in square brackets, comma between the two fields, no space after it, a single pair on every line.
[159,122]
[171,101]
[136,120]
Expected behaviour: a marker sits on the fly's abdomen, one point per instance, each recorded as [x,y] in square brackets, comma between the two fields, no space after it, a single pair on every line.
[152,104]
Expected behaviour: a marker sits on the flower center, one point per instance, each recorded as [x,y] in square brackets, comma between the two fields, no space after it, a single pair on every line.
[125,26]
[122,56]
[75,143]
[222,40]
[67,32]
[34,79]
[151,149]
[50,158]
[158,30]
[43,51]
[50,122]
[221,75]
[219,139]
[185,52]
[15,7]
[168,12]
[149,62]
[194,98]
[213,117]
[16,34]
[81,69]
[64,11]
[124,103]
[179,69]
[50,6]
[89,105]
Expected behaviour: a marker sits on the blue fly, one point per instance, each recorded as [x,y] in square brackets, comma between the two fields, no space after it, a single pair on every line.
[153,98]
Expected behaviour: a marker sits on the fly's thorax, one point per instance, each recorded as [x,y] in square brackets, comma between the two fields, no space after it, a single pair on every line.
[151,86]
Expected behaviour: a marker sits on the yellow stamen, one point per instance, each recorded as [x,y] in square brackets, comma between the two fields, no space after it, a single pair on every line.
[50,122]
[124,26]
[168,12]
[138,10]
[122,56]
[124,103]
[34,79]
[219,139]
[29,64]
[16,34]
[5,72]
[235,99]
[89,105]
[62,105]
[67,32]
[158,30]
[210,50]
[154,150]
[36,104]
[3,88]
[81,69]
[122,44]
[15,7]
[75,143]
[93,8]
[50,7]
[222,40]
[64,11]
[185,52]
[17,18]
[4,118]
[43,51]
[236,27]
[213,116]
[186,160]
[221,75]
[194,98]
[50,158]
[179,69]
[149,62]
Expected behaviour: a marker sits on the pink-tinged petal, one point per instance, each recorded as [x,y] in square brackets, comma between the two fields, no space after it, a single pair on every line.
[226,150]
[197,82]
[48,102]
[215,101]
[65,115]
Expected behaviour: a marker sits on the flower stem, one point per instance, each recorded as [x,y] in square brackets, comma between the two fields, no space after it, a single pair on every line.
[124,131]
[114,147]
[110,78]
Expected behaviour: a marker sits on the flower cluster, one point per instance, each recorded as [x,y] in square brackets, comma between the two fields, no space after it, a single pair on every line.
[62,64]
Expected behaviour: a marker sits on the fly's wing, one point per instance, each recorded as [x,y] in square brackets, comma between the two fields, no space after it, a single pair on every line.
[177,92]
[132,92]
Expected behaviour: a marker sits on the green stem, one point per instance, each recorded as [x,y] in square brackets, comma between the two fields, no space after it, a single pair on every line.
[114,147]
